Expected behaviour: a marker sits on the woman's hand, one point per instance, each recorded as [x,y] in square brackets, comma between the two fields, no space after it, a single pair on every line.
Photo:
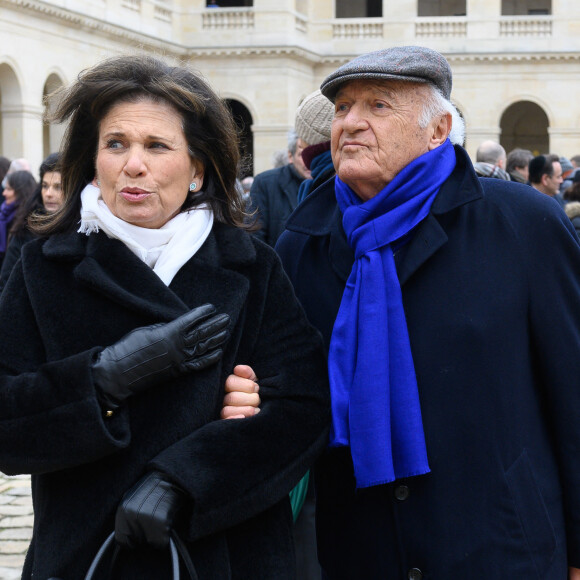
[149,511]
[151,354]
[242,399]
[573,573]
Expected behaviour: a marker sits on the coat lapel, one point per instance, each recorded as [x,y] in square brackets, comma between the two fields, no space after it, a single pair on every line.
[461,188]
[108,267]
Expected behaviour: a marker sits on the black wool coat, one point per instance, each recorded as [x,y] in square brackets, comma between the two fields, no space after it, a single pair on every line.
[491,290]
[72,295]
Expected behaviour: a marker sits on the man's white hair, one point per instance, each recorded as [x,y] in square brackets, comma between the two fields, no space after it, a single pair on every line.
[435,105]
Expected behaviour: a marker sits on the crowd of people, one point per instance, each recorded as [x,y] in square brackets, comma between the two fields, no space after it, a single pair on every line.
[359,364]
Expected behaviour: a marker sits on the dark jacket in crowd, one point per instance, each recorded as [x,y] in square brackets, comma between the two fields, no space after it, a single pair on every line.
[274,194]
[491,291]
[13,252]
[71,295]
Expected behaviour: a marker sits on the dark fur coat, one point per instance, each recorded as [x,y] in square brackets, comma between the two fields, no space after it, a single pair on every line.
[71,296]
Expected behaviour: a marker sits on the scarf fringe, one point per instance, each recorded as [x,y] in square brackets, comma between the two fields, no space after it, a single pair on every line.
[88,227]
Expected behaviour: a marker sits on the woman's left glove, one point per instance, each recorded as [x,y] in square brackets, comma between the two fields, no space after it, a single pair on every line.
[149,511]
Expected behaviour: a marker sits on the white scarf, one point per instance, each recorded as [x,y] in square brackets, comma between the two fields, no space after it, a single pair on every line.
[165,249]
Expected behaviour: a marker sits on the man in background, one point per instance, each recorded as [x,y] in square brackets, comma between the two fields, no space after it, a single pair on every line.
[491,161]
[517,164]
[546,176]
[274,193]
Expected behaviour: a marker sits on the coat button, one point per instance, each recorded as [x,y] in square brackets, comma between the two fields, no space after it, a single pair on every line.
[402,492]
[415,574]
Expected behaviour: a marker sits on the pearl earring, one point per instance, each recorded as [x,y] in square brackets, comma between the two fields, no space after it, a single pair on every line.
[192,186]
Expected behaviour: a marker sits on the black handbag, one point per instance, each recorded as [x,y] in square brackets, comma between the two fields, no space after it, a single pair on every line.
[176,547]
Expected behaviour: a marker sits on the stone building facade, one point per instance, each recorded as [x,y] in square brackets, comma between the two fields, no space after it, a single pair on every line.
[516,63]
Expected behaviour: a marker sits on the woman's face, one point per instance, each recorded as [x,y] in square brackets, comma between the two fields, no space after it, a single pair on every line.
[143,163]
[51,191]
[9,194]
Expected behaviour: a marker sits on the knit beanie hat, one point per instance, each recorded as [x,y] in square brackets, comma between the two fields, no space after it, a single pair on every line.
[313,118]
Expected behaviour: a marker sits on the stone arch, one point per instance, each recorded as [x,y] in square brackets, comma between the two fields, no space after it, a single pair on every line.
[525,124]
[244,121]
[52,134]
[11,144]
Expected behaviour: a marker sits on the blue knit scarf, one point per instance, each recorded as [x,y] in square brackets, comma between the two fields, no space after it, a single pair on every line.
[375,400]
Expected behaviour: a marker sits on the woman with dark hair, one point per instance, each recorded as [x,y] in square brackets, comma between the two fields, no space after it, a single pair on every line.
[47,198]
[138,301]
[19,190]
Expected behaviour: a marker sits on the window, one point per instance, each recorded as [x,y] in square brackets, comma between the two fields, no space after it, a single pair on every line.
[358,8]
[442,8]
[228,3]
[526,7]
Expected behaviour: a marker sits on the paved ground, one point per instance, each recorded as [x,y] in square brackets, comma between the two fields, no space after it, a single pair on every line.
[15,524]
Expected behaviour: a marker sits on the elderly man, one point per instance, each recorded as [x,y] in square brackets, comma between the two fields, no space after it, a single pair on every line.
[490,161]
[450,307]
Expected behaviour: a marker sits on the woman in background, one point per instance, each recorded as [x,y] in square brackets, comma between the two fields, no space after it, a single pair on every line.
[46,199]
[18,191]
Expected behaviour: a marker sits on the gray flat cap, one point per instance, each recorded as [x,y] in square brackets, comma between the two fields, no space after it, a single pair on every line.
[406,63]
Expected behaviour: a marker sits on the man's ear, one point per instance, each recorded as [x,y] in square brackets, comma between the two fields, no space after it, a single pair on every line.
[441,131]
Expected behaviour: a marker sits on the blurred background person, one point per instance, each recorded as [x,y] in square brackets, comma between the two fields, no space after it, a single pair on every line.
[572,198]
[546,176]
[46,199]
[517,164]
[274,193]
[491,161]
[4,166]
[20,164]
[312,124]
[19,189]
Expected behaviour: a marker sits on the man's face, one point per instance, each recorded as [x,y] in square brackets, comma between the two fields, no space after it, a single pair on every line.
[375,132]
[297,160]
[552,183]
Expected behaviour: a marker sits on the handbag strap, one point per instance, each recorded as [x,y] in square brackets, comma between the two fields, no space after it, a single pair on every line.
[176,547]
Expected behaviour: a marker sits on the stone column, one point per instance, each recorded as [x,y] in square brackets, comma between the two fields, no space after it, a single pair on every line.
[399,18]
[268,140]
[483,18]
[22,133]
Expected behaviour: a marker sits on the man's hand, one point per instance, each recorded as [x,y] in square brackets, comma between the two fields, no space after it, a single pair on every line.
[242,399]
[573,573]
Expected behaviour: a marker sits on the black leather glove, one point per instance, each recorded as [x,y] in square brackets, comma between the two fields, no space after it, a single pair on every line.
[150,354]
[149,511]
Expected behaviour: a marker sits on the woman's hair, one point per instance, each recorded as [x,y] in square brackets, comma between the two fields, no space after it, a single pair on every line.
[50,164]
[24,186]
[573,192]
[208,126]
[32,213]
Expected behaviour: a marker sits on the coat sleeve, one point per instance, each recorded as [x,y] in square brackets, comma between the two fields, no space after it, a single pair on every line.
[553,262]
[49,415]
[238,468]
